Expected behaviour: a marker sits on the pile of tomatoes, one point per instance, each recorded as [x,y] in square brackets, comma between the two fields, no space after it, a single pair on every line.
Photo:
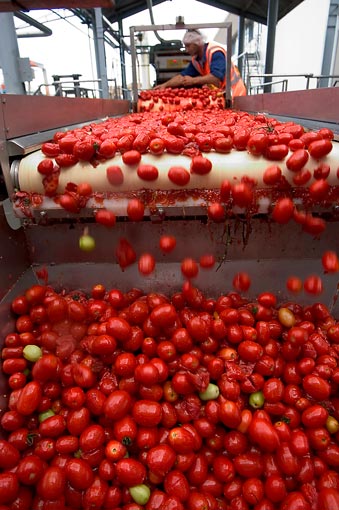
[180,99]
[196,135]
[131,401]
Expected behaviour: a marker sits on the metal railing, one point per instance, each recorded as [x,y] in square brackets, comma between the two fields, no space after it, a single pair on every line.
[82,88]
[267,80]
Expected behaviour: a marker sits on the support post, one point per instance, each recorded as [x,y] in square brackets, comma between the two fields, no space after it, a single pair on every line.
[9,55]
[241,38]
[122,61]
[272,19]
[99,44]
[330,40]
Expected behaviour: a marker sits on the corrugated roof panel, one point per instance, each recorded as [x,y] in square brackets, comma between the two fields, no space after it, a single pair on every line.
[251,9]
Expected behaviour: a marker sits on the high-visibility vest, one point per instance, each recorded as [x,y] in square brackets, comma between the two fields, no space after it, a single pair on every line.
[237,85]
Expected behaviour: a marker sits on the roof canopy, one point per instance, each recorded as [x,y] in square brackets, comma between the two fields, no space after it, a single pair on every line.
[252,9]
[116,10]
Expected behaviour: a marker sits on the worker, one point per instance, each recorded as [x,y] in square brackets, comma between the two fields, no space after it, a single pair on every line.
[207,67]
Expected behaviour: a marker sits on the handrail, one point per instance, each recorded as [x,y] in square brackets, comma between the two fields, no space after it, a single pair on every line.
[263,85]
[307,76]
[70,84]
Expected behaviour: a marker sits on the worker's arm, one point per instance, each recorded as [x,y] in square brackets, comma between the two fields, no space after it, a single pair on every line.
[198,81]
[175,81]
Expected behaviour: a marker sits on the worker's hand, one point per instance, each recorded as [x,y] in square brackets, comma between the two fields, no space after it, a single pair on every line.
[161,86]
[188,81]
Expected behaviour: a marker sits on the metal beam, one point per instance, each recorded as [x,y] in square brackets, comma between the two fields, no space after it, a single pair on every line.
[122,61]
[241,39]
[9,55]
[330,38]
[272,19]
[99,44]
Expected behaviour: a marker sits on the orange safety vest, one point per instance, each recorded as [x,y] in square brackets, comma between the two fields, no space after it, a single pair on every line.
[237,85]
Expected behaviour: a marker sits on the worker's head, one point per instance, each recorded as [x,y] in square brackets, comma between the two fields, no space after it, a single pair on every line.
[193,41]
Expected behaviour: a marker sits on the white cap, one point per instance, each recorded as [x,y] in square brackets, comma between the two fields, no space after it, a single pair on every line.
[193,37]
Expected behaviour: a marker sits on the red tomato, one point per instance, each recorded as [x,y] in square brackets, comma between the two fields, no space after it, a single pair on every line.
[119,328]
[29,398]
[9,488]
[67,142]
[157,146]
[30,470]
[179,175]
[53,426]
[317,387]
[200,165]
[320,148]
[117,405]
[50,149]
[131,157]
[66,160]
[46,167]
[92,438]
[257,143]
[313,285]
[297,160]
[176,484]
[223,468]
[114,175]
[242,194]
[283,210]
[328,498]
[216,212]
[272,175]
[105,217]
[225,190]
[148,172]
[130,472]
[207,261]
[263,433]
[240,139]
[146,263]
[79,474]
[181,440]
[189,267]
[83,150]
[230,414]
[241,282]
[147,413]
[167,243]
[275,488]
[52,483]
[125,253]
[9,455]
[141,142]
[319,189]
[276,152]
[135,209]
[223,144]
[107,149]
[330,261]
[160,459]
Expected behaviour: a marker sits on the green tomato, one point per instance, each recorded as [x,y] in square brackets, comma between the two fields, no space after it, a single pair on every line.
[140,493]
[46,414]
[86,243]
[211,392]
[32,352]
[256,399]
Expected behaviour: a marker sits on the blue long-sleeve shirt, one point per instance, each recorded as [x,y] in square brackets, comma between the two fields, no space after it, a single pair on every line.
[218,65]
